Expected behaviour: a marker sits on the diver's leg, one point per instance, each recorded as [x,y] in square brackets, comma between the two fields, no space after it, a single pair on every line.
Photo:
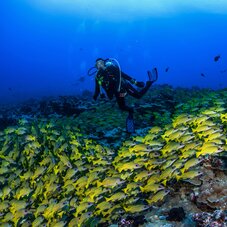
[123,106]
[130,126]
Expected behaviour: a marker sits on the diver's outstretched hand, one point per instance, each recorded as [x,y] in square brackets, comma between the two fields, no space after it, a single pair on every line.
[153,76]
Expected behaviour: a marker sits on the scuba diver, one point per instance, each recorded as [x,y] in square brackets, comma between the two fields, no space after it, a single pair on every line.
[116,83]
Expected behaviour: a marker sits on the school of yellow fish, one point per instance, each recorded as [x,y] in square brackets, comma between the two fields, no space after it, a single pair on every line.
[53,175]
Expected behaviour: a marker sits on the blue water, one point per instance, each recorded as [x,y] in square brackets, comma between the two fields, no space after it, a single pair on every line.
[46,47]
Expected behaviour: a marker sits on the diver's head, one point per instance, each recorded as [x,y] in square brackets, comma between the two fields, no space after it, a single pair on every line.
[100,63]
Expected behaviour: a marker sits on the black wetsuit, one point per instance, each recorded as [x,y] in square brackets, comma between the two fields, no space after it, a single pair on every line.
[109,79]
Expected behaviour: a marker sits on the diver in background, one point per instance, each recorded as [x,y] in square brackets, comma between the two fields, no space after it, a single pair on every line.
[116,83]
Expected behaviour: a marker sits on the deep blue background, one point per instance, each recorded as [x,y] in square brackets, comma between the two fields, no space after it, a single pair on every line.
[45,52]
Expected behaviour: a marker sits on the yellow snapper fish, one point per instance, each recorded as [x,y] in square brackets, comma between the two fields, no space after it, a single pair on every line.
[180,162]
[209,150]
[149,138]
[95,192]
[57,223]
[129,143]
[39,171]
[209,112]
[84,206]
[159,196]
[23,191]
[110,182]
[135,208]
[141,161]
[91,178]
[38,221]
[128,166]
[142,175]
[219,141]
[8,159]
[138,138]
[103,206]
[124,175]
[39,210]
[5,193]
[187,154]
[223,117]
[151,188]
[152,163]
[80,221]
[189,175]
[209,133]
[65,160]
[154,178]
[189,146]
[101,162]
[131,200]
[4,170]
[208,123]
[175,136]
[19,214]
[207,144]
[53,207]
[4,205]
[167,164]
[186,138]
[8,217]
[125,154]
[50,189]
[168,132]
[155,130]
[17,205]
[111,210]
[181,120]
[29,138]
[70,173]
[81,181]
[116,197]
[139,147]
[130,187]
[213,136]
[201,128]
[171,146]
[191,163]
[154,144]
[167,173]
[202,118]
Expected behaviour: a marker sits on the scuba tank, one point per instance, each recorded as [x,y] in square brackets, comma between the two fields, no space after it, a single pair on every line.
[114,62]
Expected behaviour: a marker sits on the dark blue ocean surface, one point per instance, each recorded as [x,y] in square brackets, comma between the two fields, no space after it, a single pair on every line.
[47,48]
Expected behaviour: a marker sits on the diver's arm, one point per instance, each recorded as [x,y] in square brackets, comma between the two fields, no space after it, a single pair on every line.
[97,90]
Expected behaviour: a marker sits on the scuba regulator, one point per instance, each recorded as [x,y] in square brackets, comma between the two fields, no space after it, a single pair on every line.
[107,62]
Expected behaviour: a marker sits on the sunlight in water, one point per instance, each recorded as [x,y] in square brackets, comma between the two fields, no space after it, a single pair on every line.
[132,8]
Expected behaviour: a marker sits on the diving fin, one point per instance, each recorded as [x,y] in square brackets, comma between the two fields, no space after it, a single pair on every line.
[153,76]
[130,126]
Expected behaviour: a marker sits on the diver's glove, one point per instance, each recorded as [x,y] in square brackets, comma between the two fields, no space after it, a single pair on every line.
[153,76]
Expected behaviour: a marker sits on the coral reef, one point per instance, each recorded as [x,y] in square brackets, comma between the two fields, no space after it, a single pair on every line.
[215,219]
[70,161]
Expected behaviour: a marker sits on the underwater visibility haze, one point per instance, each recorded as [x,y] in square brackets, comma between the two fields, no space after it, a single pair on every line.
[48,46]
